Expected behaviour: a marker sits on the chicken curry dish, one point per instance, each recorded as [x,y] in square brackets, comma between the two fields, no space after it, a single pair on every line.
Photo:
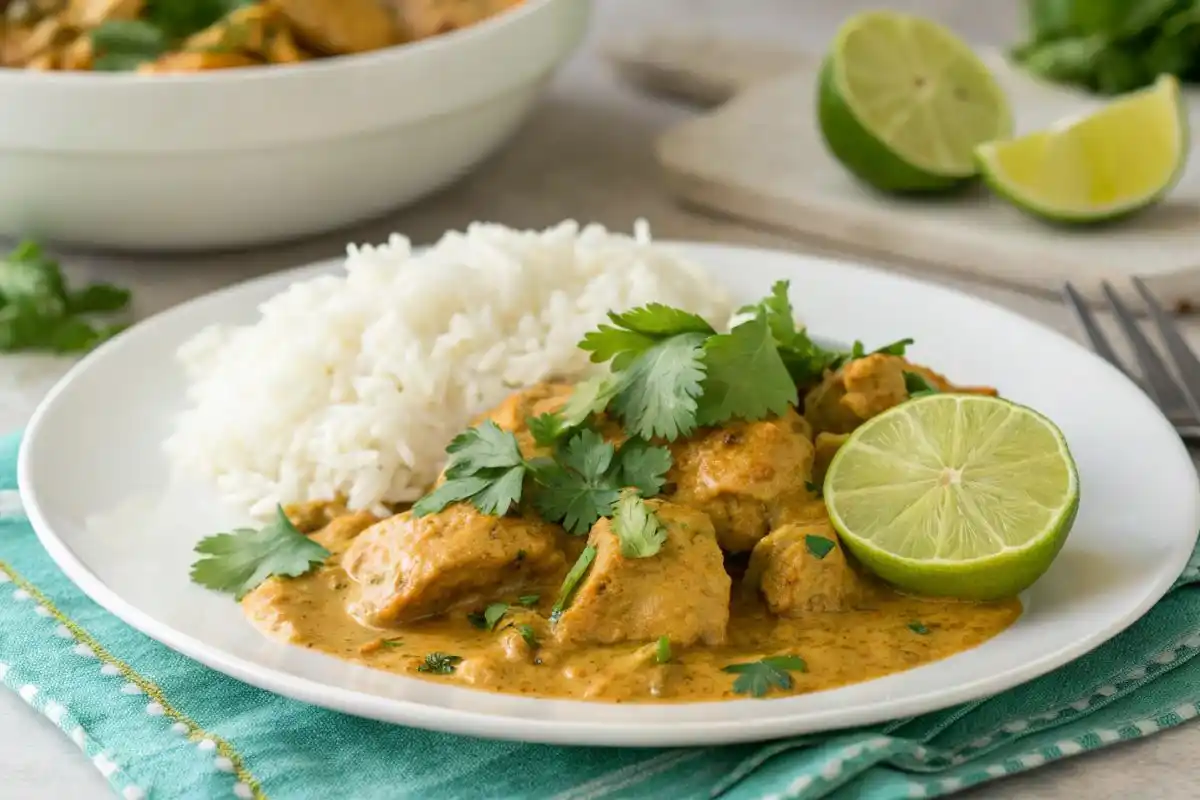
[672,529]
[172,36]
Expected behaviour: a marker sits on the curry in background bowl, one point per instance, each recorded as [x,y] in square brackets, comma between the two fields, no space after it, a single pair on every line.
[179,36]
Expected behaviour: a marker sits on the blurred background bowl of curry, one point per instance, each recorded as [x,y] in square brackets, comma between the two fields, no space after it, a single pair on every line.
[194,124]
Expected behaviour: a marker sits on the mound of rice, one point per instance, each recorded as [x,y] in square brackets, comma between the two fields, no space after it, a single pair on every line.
[352,385]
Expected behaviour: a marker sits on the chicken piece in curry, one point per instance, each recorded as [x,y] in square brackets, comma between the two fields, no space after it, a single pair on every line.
[173,36]
[748,567]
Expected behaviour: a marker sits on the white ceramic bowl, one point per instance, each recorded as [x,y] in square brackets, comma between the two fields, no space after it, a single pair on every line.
[248,156]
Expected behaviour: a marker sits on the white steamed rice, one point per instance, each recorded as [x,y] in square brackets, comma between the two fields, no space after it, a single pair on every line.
[352,385]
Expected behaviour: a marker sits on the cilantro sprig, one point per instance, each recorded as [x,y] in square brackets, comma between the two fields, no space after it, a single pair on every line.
[640,533]
[38,311]
[571,582]
[577,486]
[757,677]
[671,372]
[485,468]
[439,663]
[237,562]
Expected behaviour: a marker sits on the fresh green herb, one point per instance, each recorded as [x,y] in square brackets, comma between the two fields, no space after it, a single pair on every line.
[576,491]
[656,394]
[662,652]
[589,397]
[638,330]
[806,361]
[639,531]
[521,556]
[819,546]
[493,613]
[439,663]
[477,620]
[572,581]
[585,480]
[1111,46]
[746,376]
[237,562]
[485,467]
[917,385]
[812,487]
[124,44]
[756,678]
[38,312]
[529,636]
[546,428]
[918,628]
[391,643]
[858,350]
[529,600]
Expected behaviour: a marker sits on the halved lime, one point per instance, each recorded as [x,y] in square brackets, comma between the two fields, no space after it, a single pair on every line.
[902,103]
[1115,161]
[955,495]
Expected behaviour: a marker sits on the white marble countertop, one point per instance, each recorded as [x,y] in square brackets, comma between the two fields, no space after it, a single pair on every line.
[585,154]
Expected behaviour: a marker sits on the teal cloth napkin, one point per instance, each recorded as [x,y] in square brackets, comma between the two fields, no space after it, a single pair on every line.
[158,725]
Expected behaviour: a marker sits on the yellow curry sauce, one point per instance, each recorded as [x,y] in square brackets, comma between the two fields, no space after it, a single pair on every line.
[750,568]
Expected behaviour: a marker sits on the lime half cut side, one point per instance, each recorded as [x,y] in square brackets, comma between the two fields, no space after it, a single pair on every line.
[1099,167]
[955,495]
[903,103]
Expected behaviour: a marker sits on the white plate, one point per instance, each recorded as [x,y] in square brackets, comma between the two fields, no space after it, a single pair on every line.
[96,485]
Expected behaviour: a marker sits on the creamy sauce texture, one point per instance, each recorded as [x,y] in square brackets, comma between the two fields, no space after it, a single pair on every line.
[890,633]
[750,567]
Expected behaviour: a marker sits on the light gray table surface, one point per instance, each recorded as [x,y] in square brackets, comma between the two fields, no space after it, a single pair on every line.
[586,154]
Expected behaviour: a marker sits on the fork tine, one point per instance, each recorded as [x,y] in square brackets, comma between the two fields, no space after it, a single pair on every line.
[1091,329]
[1158,381]
[1186,362]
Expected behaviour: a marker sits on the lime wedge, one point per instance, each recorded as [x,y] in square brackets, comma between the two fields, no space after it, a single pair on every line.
[902,103]
[1120,159]
[955,495]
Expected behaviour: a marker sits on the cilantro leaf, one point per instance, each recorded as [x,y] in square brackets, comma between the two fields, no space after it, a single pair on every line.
[123,44]
[642,466]
[568,498]
[98,298]
[638,330]
[485,467]
[590,397]
[588,454]
[482,447]
[546,428]
[449,492]
[493,613]
[572,580]
[608,343]
[501,493]
[237,562]
[659,320]
[806,361]
[918,628]
[439,663]
[529,600]
[575,490]
[819,546]
[662,651]
[746,377]
[639,531]
[527,633]
[917,385]
[477,620]
[757,677]
[897,348]
[658,390]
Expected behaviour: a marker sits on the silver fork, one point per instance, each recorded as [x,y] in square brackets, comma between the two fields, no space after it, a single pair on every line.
[1178,396]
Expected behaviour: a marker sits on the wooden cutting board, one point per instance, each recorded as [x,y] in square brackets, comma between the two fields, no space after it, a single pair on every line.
[758,156]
